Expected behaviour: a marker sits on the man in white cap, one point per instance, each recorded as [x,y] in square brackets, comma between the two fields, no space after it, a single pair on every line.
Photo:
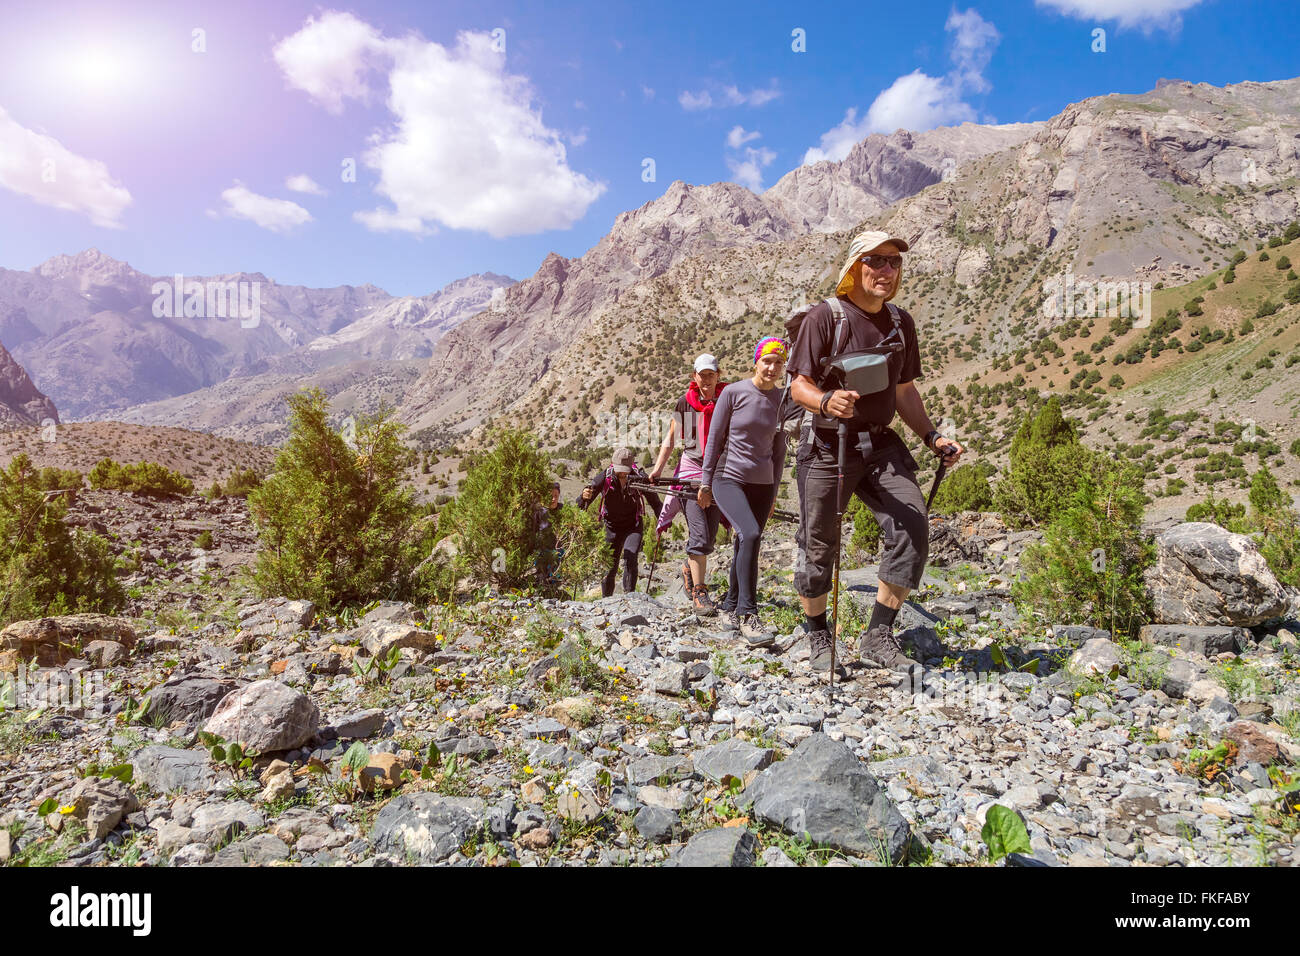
[690,423]
[880,470]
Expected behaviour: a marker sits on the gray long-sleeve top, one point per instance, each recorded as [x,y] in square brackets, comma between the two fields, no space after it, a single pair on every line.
[746,442]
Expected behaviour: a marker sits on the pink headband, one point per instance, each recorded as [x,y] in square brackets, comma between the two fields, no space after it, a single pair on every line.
[772,344]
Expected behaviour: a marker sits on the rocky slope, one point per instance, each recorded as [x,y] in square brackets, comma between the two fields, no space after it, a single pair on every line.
[21,402]
[627,731]
[1146,187]
[549,312]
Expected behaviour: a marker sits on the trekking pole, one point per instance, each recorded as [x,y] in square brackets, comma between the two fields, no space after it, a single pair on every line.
[938,477]
[843,435]
[653,559]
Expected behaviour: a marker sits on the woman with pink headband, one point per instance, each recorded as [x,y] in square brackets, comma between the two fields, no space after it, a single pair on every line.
[742,472]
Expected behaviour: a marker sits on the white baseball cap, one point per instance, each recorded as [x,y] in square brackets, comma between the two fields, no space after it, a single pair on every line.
[706,361]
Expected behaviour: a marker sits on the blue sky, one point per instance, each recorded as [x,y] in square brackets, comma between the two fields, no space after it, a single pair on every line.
[485,135]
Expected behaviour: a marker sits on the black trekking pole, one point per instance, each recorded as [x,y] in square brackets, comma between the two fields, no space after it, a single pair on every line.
[842,433]
[653,560]
[938,477]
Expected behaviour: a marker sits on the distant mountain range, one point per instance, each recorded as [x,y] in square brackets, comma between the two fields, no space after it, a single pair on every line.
[1160,187]
[21,402]
[88,329]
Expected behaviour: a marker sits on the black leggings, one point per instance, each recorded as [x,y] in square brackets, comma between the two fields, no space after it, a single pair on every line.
[747,507]
[625,545]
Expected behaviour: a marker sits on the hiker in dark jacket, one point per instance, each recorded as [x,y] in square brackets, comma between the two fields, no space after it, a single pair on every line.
[880,469]
[622,510]
[690,423]
[544,539]
[742,471]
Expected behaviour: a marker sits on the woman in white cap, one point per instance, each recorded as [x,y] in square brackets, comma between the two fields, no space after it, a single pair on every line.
[690,423]
[879,470]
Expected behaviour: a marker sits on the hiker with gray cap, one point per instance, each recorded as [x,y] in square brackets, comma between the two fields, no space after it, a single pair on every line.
[849,447]
[622,510]
[690,423]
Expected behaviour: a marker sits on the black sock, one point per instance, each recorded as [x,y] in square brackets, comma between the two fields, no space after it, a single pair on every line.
[817,623]
[880,614]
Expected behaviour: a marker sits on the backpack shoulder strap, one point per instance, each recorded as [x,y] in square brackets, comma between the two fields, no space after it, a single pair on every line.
[840,335]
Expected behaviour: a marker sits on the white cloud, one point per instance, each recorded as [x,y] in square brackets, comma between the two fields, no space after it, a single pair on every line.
[277,215]
[1147,14]
[578,138]
[748,168]
[302,183]
[330,57]
[738,137]
[728,96]
[43,169]
[695,101]
[972,47]
[468,148]
[647,92]
[918,101]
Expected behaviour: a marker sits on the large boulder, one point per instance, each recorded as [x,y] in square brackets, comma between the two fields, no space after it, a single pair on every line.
[724,846]
[823,792]
[1205,575]
[188,697]
[1207,641]
[167,770]
[266,716]
[427,827]
[55,640]
[1097,657]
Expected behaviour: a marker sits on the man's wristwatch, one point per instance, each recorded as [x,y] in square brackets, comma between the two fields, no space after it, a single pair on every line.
[930,437]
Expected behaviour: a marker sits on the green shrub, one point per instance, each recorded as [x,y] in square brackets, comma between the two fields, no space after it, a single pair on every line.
[864,542]
[45,567]
[60,479]
[334,523]
[144,477]
[492,515]
[204,541]
[1219,511]
[1046,461]
[242,483]
[1089,567]
[965,489]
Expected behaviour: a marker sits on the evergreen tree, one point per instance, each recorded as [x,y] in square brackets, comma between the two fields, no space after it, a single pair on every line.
[45,568]
[1089,567]
[335,524]
[1046,461]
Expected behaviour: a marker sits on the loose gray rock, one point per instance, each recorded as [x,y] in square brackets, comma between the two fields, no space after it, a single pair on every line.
[427,827]
[266,717]
[724,846]
[658,825]
[823,792]
[734,757]
[167,769]
[1097,656]
[358,726]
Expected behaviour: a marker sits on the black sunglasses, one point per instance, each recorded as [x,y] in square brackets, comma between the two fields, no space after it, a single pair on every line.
[878,261]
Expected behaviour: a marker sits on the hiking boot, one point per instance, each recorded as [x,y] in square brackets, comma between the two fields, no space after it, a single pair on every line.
[820,649]
[755,632]
[700,602]
[879,647]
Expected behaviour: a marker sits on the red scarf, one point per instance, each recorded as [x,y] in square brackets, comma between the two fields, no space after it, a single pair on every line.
[700,405]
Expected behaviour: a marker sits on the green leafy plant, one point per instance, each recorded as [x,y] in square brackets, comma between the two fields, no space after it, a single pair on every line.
[231,755]
[1004,832]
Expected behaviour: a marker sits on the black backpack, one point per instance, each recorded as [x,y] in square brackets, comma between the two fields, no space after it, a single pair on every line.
[793,416]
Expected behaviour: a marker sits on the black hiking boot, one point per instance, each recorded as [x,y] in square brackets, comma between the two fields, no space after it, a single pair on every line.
[820,649]
[879,647]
